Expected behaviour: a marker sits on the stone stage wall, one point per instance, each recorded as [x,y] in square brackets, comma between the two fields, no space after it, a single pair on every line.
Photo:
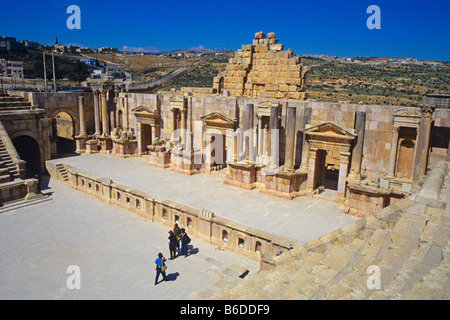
[378,123]
[200,224]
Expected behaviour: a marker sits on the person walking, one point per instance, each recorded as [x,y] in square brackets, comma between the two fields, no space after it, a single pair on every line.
[177,233]
[160,267]
[185,240]
[173,244]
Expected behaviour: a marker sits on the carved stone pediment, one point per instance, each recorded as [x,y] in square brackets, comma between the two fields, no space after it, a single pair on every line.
[407,112]
[145,111]
[330,129]
[217,119]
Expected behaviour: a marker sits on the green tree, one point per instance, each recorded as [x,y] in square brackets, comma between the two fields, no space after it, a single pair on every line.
[38,66]
[79,72]
[39,69]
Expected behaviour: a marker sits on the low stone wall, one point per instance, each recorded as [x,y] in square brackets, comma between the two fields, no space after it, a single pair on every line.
[11,191]
[200,224]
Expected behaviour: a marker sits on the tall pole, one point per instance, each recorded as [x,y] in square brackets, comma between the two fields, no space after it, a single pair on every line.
[45,71]
[54,73]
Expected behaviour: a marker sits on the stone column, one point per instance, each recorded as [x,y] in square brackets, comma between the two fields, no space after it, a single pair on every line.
[82,121]
[305,145]
[112,120]
[105,122]
[139,137]
[393,156]
[260,137]
[274,137]
[290,139]
[360,124]
[96,114]
[80,140]
[126,117]
[343,170]
[183,125]
[248,133]
[423,143]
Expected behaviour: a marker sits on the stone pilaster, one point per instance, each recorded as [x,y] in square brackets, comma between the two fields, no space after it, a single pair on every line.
[343,171]
[310,182]
[423,143]
[305,146]
[360,124]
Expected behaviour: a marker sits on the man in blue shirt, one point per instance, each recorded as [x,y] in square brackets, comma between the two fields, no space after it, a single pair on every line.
[160,267]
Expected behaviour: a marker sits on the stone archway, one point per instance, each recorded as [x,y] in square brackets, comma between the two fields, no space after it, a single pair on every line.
[72,114]
[29,150]
[63,131]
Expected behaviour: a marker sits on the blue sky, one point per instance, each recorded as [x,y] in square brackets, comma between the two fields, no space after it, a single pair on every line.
[415,28]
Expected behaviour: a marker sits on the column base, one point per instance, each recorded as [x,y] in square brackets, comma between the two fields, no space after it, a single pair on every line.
[81,143]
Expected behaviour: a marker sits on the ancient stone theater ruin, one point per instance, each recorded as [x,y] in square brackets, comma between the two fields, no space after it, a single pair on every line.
[386,166]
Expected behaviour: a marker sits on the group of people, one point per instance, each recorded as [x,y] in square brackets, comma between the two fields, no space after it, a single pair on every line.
[178,241]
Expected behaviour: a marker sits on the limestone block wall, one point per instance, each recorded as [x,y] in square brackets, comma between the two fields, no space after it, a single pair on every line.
[54,102]
[378,125]
[263,69]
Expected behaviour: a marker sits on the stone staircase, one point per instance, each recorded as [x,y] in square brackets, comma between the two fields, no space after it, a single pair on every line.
[8,170]
[14,103]
[62,172]
[407,242]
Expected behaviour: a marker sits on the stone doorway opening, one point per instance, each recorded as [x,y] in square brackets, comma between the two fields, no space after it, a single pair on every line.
[63,132]
[29,151]
[331,138]
[327,174]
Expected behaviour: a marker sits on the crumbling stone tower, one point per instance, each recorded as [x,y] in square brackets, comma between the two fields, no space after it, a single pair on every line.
[264,70]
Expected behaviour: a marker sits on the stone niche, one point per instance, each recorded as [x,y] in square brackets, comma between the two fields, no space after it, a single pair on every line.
[264,70]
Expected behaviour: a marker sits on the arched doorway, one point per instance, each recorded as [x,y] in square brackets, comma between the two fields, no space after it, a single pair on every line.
[28,150]
[63,132]
[405,157]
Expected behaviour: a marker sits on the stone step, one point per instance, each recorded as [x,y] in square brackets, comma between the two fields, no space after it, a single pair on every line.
[14,103]
[10,99]
[13,205]
[435,284]
[5,178]
[412,252]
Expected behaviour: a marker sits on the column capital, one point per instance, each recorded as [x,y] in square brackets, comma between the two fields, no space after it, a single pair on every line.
[427,111]
[345,157]
[395,128]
